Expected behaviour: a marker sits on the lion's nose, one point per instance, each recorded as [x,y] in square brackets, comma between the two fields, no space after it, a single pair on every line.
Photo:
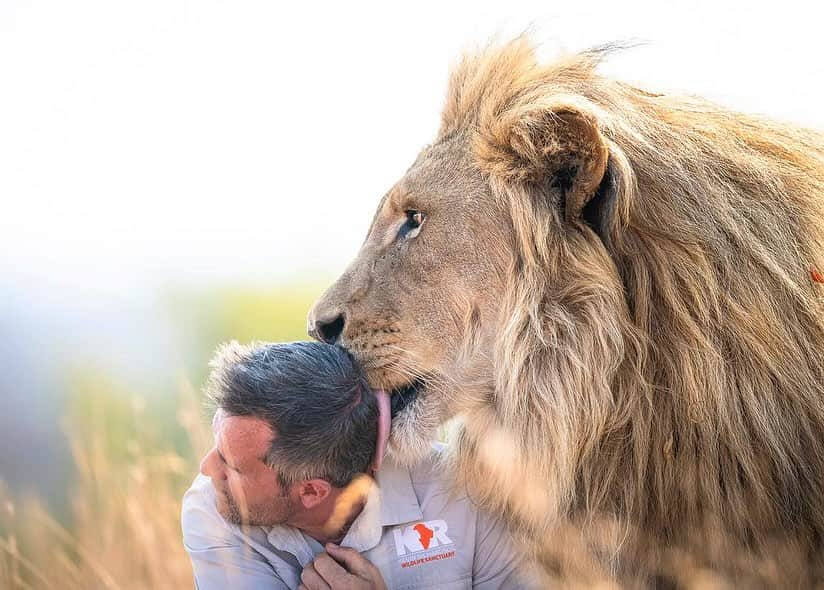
[327,329]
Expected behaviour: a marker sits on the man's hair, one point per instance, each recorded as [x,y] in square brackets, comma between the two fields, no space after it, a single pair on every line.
[316,400]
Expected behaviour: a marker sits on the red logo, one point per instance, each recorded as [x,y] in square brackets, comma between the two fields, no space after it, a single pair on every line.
[421,537]
[816,276]
[424,534]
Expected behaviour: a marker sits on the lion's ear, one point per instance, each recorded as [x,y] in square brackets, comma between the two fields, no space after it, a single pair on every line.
[553,145]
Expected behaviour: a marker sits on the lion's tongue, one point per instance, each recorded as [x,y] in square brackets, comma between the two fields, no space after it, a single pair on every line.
[384,423]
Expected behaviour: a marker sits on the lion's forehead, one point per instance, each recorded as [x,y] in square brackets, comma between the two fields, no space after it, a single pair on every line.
[447,176]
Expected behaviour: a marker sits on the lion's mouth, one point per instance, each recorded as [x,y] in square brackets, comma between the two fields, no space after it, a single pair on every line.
[401,397]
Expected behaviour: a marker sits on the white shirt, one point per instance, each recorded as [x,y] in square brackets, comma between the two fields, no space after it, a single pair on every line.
[411,528]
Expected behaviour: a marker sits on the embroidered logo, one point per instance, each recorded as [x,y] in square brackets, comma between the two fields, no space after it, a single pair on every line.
[816,276]
[423,542]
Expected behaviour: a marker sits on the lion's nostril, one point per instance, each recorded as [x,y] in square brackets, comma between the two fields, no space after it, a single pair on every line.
[329,330]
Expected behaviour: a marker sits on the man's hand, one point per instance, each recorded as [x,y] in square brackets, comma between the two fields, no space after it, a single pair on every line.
[341,568]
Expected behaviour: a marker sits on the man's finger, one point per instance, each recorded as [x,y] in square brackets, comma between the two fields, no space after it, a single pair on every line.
[312,580]
[330,570]
[355,562]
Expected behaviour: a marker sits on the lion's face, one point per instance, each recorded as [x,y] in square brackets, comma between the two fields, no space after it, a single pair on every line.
[473,242]
[434,250]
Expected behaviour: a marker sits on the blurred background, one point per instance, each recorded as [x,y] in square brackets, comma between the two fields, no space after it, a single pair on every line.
[175,173]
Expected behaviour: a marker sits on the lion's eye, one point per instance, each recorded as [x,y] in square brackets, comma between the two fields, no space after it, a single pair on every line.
[412,225]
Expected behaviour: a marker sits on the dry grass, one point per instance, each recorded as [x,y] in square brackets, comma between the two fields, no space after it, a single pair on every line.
[133,461]
[125,530]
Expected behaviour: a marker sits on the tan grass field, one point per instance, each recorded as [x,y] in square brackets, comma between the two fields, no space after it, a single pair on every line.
[134,456]
[125,531]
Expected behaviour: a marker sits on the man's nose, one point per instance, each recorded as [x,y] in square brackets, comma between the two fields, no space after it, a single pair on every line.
[209,466]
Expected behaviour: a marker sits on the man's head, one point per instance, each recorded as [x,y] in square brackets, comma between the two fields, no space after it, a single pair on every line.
[293,423]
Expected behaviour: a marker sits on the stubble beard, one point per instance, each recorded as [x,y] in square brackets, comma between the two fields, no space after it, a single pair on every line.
[275,514]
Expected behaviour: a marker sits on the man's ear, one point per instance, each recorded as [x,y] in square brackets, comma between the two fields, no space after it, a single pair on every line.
[313,492]
[555,144]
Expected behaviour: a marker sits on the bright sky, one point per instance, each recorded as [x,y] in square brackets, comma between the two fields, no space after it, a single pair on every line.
[199,140]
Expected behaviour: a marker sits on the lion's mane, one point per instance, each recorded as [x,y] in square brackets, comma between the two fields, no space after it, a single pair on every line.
[658,378]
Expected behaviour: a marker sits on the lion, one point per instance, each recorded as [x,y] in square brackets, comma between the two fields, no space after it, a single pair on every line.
[614,291]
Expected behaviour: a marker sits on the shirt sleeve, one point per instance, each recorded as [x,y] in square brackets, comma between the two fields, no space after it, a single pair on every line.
[220,568]
[220,559]
[498,564]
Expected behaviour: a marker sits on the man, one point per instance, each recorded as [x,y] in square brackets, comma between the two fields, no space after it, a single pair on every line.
[285,499]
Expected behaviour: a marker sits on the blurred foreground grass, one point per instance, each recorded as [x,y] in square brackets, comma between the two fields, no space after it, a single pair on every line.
[135,454]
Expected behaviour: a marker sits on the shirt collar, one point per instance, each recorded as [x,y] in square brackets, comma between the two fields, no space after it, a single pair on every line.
[397,498]
[390,501]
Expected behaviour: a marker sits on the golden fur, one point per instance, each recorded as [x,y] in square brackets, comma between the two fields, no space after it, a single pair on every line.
[641,379]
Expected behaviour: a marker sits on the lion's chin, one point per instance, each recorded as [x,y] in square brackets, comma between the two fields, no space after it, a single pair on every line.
[414,429]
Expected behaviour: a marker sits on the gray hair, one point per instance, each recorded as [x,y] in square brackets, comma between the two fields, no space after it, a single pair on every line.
[316,400]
